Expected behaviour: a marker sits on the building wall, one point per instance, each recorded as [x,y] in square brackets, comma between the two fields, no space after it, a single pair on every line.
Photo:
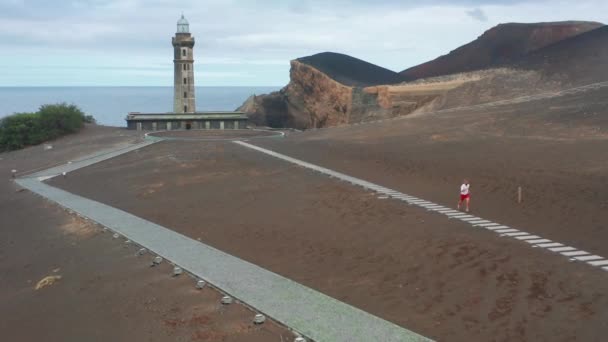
[162,125]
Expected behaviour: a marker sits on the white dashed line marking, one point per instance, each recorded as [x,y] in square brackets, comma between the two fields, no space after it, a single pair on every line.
[589,258]
[536,242]
[516,234]
[509,230]
[486,225]
[529,237]
[599,263]
[575,253]
[553,244]
[562,249]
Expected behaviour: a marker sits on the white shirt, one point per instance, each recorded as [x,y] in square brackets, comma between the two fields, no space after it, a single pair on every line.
[464,189]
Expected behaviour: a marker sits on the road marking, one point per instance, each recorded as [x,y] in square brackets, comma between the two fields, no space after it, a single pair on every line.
[494,228]
[589,258]
[562,249]
[599,263]
[529,237]
[536,242]
[575,253]
[552,244]
[508,230]
[486,225]
[469,219]
[516,234]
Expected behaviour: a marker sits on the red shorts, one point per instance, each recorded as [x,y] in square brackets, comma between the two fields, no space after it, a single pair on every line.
[464,197]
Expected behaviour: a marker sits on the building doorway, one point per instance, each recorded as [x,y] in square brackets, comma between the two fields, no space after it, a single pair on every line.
[188,125]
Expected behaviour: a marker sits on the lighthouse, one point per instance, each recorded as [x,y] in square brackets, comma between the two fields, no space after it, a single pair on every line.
[183,61]
[184,115]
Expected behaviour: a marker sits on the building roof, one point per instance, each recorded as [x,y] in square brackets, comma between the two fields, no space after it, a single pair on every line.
[187,116]
[182,21]
[182,25]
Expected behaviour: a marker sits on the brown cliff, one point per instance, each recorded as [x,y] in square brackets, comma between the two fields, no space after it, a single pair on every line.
[333,89]
[312,99]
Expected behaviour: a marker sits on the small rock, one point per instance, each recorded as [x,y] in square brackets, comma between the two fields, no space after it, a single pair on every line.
[259,319]
[157,261]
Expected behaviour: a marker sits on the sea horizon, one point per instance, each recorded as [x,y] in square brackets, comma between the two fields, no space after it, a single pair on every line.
[110,104]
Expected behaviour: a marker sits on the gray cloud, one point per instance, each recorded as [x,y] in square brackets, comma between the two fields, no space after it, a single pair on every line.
[478,14]
[252,37]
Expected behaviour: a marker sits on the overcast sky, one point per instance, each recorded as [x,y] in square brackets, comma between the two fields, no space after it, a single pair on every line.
[242,42]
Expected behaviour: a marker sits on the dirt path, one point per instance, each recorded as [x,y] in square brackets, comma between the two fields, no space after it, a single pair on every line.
[96,288]
[432,275]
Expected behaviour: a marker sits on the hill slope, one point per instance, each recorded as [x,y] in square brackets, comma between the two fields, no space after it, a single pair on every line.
[351,71]
[501,44]
[577,60]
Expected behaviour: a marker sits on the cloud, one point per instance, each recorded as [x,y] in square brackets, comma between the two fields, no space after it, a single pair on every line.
[253,40]
[478,14]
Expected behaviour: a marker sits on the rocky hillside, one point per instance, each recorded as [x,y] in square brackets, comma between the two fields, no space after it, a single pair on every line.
[330,89]
[577,60]
[324,90]
[501,44]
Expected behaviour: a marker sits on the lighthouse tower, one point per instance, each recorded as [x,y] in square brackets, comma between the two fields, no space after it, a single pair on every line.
[183,60]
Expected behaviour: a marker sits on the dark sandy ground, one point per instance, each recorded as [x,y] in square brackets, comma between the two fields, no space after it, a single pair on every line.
[438,277]
[554,149]
[106,292]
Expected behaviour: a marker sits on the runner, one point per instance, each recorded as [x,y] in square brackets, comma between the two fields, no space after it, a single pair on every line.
[465,194]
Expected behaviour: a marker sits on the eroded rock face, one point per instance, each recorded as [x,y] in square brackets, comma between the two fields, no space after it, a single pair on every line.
[268,110]
[348,91]
[312,94]
[311,100]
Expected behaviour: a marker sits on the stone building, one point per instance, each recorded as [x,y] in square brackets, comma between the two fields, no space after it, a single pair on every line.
[184,115]
[183,61]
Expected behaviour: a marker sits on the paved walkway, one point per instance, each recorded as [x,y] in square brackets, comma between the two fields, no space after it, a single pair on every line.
[573,253]
[308,312]
[88,160]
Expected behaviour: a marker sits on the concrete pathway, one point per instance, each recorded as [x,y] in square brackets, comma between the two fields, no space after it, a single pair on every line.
[308,312]
[88,160]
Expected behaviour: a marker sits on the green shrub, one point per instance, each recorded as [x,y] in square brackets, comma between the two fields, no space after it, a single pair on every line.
[89,119]
[51,121]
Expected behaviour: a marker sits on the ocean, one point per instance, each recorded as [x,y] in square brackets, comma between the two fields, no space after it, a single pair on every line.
[110,105]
